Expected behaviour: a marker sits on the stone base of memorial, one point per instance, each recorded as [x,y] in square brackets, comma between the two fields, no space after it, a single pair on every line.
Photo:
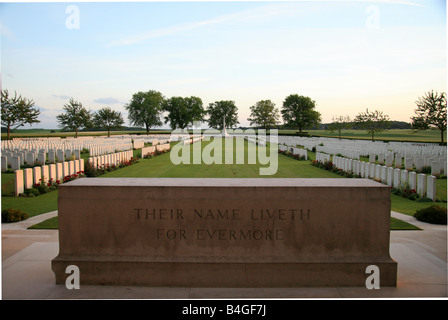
[263,232]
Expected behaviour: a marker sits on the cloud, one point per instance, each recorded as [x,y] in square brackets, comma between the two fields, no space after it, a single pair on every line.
[42,109]
[61,96]
[248,15]
[150,34]
[241,16]
[108,100]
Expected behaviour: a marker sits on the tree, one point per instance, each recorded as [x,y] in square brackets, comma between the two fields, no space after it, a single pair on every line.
[431,111]
[145,109]
[75,117]
[264,114]
[17,111]
[339,123]
[108,119]
[373,122]
[298,111]
[219,110]
[182,112]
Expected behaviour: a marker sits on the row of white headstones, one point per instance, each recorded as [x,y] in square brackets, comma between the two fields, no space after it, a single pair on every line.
[38,151]
[391,163]
[424,185]
[52,173]
[64,156]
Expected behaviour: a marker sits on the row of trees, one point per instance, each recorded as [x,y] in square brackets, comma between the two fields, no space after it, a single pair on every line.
[151,109]
[431,112]
[146,110]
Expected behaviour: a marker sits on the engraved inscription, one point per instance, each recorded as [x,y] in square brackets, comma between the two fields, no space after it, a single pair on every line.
[282,217]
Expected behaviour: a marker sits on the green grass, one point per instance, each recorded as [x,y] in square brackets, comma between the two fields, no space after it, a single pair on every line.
[162,166]
[51,223]
[8,181]
[402,205]
[33,206]
[441,189]
[396,224]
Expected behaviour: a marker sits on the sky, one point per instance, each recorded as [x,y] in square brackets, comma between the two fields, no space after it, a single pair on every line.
[345,55]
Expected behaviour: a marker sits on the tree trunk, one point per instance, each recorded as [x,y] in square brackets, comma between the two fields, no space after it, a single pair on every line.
[9,129]
[147,129]
[441,135]
[76,133]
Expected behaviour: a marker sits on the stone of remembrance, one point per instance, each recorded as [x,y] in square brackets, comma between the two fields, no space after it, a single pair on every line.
[264,232]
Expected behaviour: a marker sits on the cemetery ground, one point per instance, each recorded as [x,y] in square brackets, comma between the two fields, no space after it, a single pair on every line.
[420,250]
[161,166]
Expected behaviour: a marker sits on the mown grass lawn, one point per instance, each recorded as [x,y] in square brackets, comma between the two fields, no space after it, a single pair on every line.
[162,166]
[33,206]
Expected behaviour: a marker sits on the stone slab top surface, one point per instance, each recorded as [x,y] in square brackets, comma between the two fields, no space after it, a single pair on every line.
[223,182]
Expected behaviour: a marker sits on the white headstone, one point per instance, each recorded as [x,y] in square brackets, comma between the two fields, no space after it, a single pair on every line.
[59,171]
[4,163]
[18,182]
[381,159]
[435,168]
[418,163]
[421,184]
[408,163]
[383,174]
[398,161]
[51,156]
[389,159]
[45,174]
[362,169]
[81,165]
[413,180]
[377,171]
[52,172]
[404,177]
[28,178]
[37,175]
[60,155]
[76,164]
[431,188]
[65,169]
[71,167]
[397,178]
[15,164]
[372,171]
[390,176]
[41,158]
[30,158]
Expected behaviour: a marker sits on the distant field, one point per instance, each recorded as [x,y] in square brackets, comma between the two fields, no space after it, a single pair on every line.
[43,133]
[388,135]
